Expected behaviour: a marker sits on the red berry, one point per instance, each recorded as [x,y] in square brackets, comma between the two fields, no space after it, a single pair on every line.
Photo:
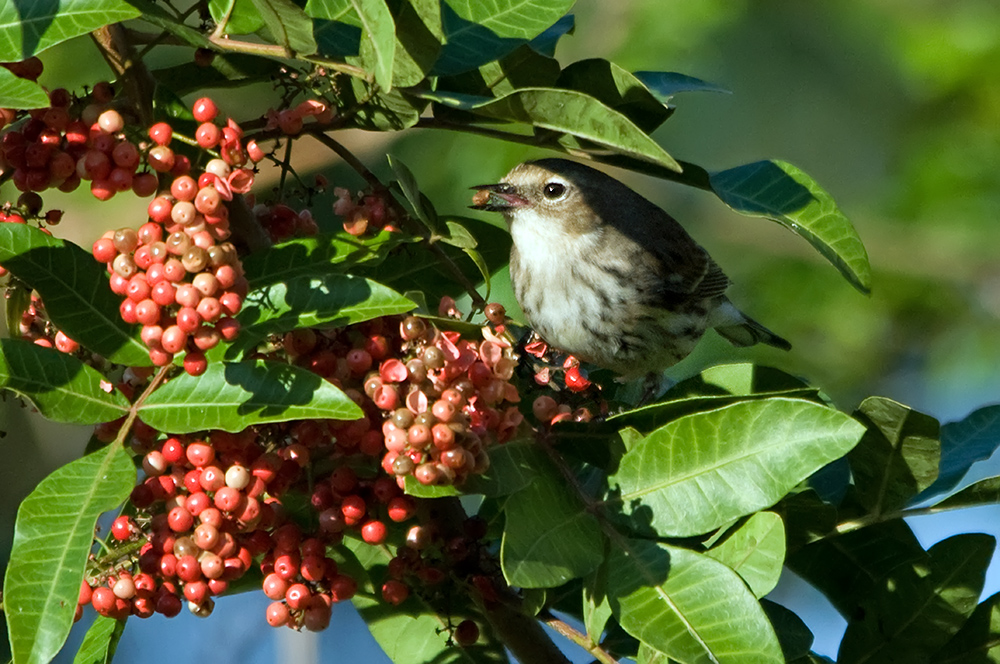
[208,135]
[103,600]
[199,454]
[466,633]
[277,614]
[228,499]
[374,532]
[575,380]
[161,133]
[395,592]
[180,520]
[173,340]
[204,110]
[195,363]
[122,528]
[402,508]
[298,596]
[104,250]
[274,586]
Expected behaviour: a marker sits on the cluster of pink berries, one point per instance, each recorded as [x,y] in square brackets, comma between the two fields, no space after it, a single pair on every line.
[363,212]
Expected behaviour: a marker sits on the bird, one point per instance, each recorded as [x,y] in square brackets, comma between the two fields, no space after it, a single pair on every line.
[605,275]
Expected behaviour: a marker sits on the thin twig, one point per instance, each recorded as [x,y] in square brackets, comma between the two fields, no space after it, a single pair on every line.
[580,639]
[220,28]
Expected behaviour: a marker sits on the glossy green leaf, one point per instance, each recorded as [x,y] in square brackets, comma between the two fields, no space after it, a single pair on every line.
[28,27]
[688,606]
[288,24]
[459,236]
[978,642]
[243,16]
[478,32]
[334,300]
[963,443]
[100,642]
[664,84]
[337,28]
[512,467]
[234,395]
[380,36]
[596,606]
[415,488]
[566,111]
[52,538]
[544,548]
[616,88]
[417,631]
[897,457]
[793,635]
[60,386]
[332,10]
[314,256]
[916,610]
[705,470]
[20,93]
[755,551]
[75,290]
[781,192]
[418,38]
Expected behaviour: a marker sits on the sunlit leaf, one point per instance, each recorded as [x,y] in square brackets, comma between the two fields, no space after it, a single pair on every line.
[289,25]
[60,386]
[52,538]
[234,395]
[781,192]
[314,256]
[617,89]
[755,551]
[243,16]
[380,35]
[100,642]
[20,93]
[28,27]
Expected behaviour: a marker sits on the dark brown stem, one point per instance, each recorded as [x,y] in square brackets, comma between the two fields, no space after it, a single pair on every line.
[379,187]
[117,50]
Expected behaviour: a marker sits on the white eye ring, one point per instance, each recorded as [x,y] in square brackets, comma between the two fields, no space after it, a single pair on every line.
[554,190]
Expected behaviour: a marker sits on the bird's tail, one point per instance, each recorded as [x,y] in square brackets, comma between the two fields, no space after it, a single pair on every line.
[741,330]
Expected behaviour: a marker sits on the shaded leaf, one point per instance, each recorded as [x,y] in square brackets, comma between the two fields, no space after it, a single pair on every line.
[755,551]
[289,25]
[916,610]
[422,208]
[596,606]
[459,236]
[688,606]
[100,642]
[616,88]
[418,41]
[545,548]
[897,457]
[978,641]
[793,635]
[566,111]
[28,27]
[524,67]
[807,518]
[546,42]
[158,16]
[704,470]
[963,443]
[233,395]
[983,492]
[512,467]
[75,290]
[337,29]
[380,36]
[478,32]
[226,70]
[665,84]
[20,93]
[380,111]
[781,192]
[60,386]
[314,256]
[52,538]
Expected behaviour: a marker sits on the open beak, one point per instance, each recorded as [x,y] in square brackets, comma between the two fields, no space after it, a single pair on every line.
[497,197]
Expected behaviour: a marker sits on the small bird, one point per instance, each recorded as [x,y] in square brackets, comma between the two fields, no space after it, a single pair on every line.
[605,275]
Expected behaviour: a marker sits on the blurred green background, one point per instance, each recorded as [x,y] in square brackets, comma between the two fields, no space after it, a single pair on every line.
[893,106]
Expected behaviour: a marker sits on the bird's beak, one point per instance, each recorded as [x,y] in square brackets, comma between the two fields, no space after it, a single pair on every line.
[497,197]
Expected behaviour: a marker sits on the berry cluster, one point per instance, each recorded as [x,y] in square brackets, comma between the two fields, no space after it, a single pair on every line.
[282,222]
[35,326]
[363,212]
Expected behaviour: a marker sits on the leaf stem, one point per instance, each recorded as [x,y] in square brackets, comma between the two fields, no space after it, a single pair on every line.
[220,28]
[873,519]
[578,638]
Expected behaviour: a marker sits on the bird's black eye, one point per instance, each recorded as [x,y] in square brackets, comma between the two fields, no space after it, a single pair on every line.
[554,190]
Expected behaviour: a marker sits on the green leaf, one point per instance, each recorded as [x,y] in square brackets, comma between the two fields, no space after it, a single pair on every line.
[807,518]
[244,18]
[415,488]
[616,88]
[381,110]
[158,16]
[755,551]
[337,29]
[916,610]
[664,84]
[315,256]
[524,67]
[983,492]
[289,25]
[566,111]
[688,606]
[978,641]
[75,290]
[411,191]
[596,606]
[459,236]
[334,300]
[234,395]
[380,35]
[546,42]
[100,642]
[781,192]
[794,636]
[549,536]
[512,467]
[417,41]
[897,457]
[478,32]
[963,443]
[416,632]
[52,538]
[705,470]
[20,93]
[849,567]
[28,27]
[332,10]
[226,70]
[61,387]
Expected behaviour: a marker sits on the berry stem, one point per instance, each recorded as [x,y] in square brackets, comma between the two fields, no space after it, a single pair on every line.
[117,50]
[579,638]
